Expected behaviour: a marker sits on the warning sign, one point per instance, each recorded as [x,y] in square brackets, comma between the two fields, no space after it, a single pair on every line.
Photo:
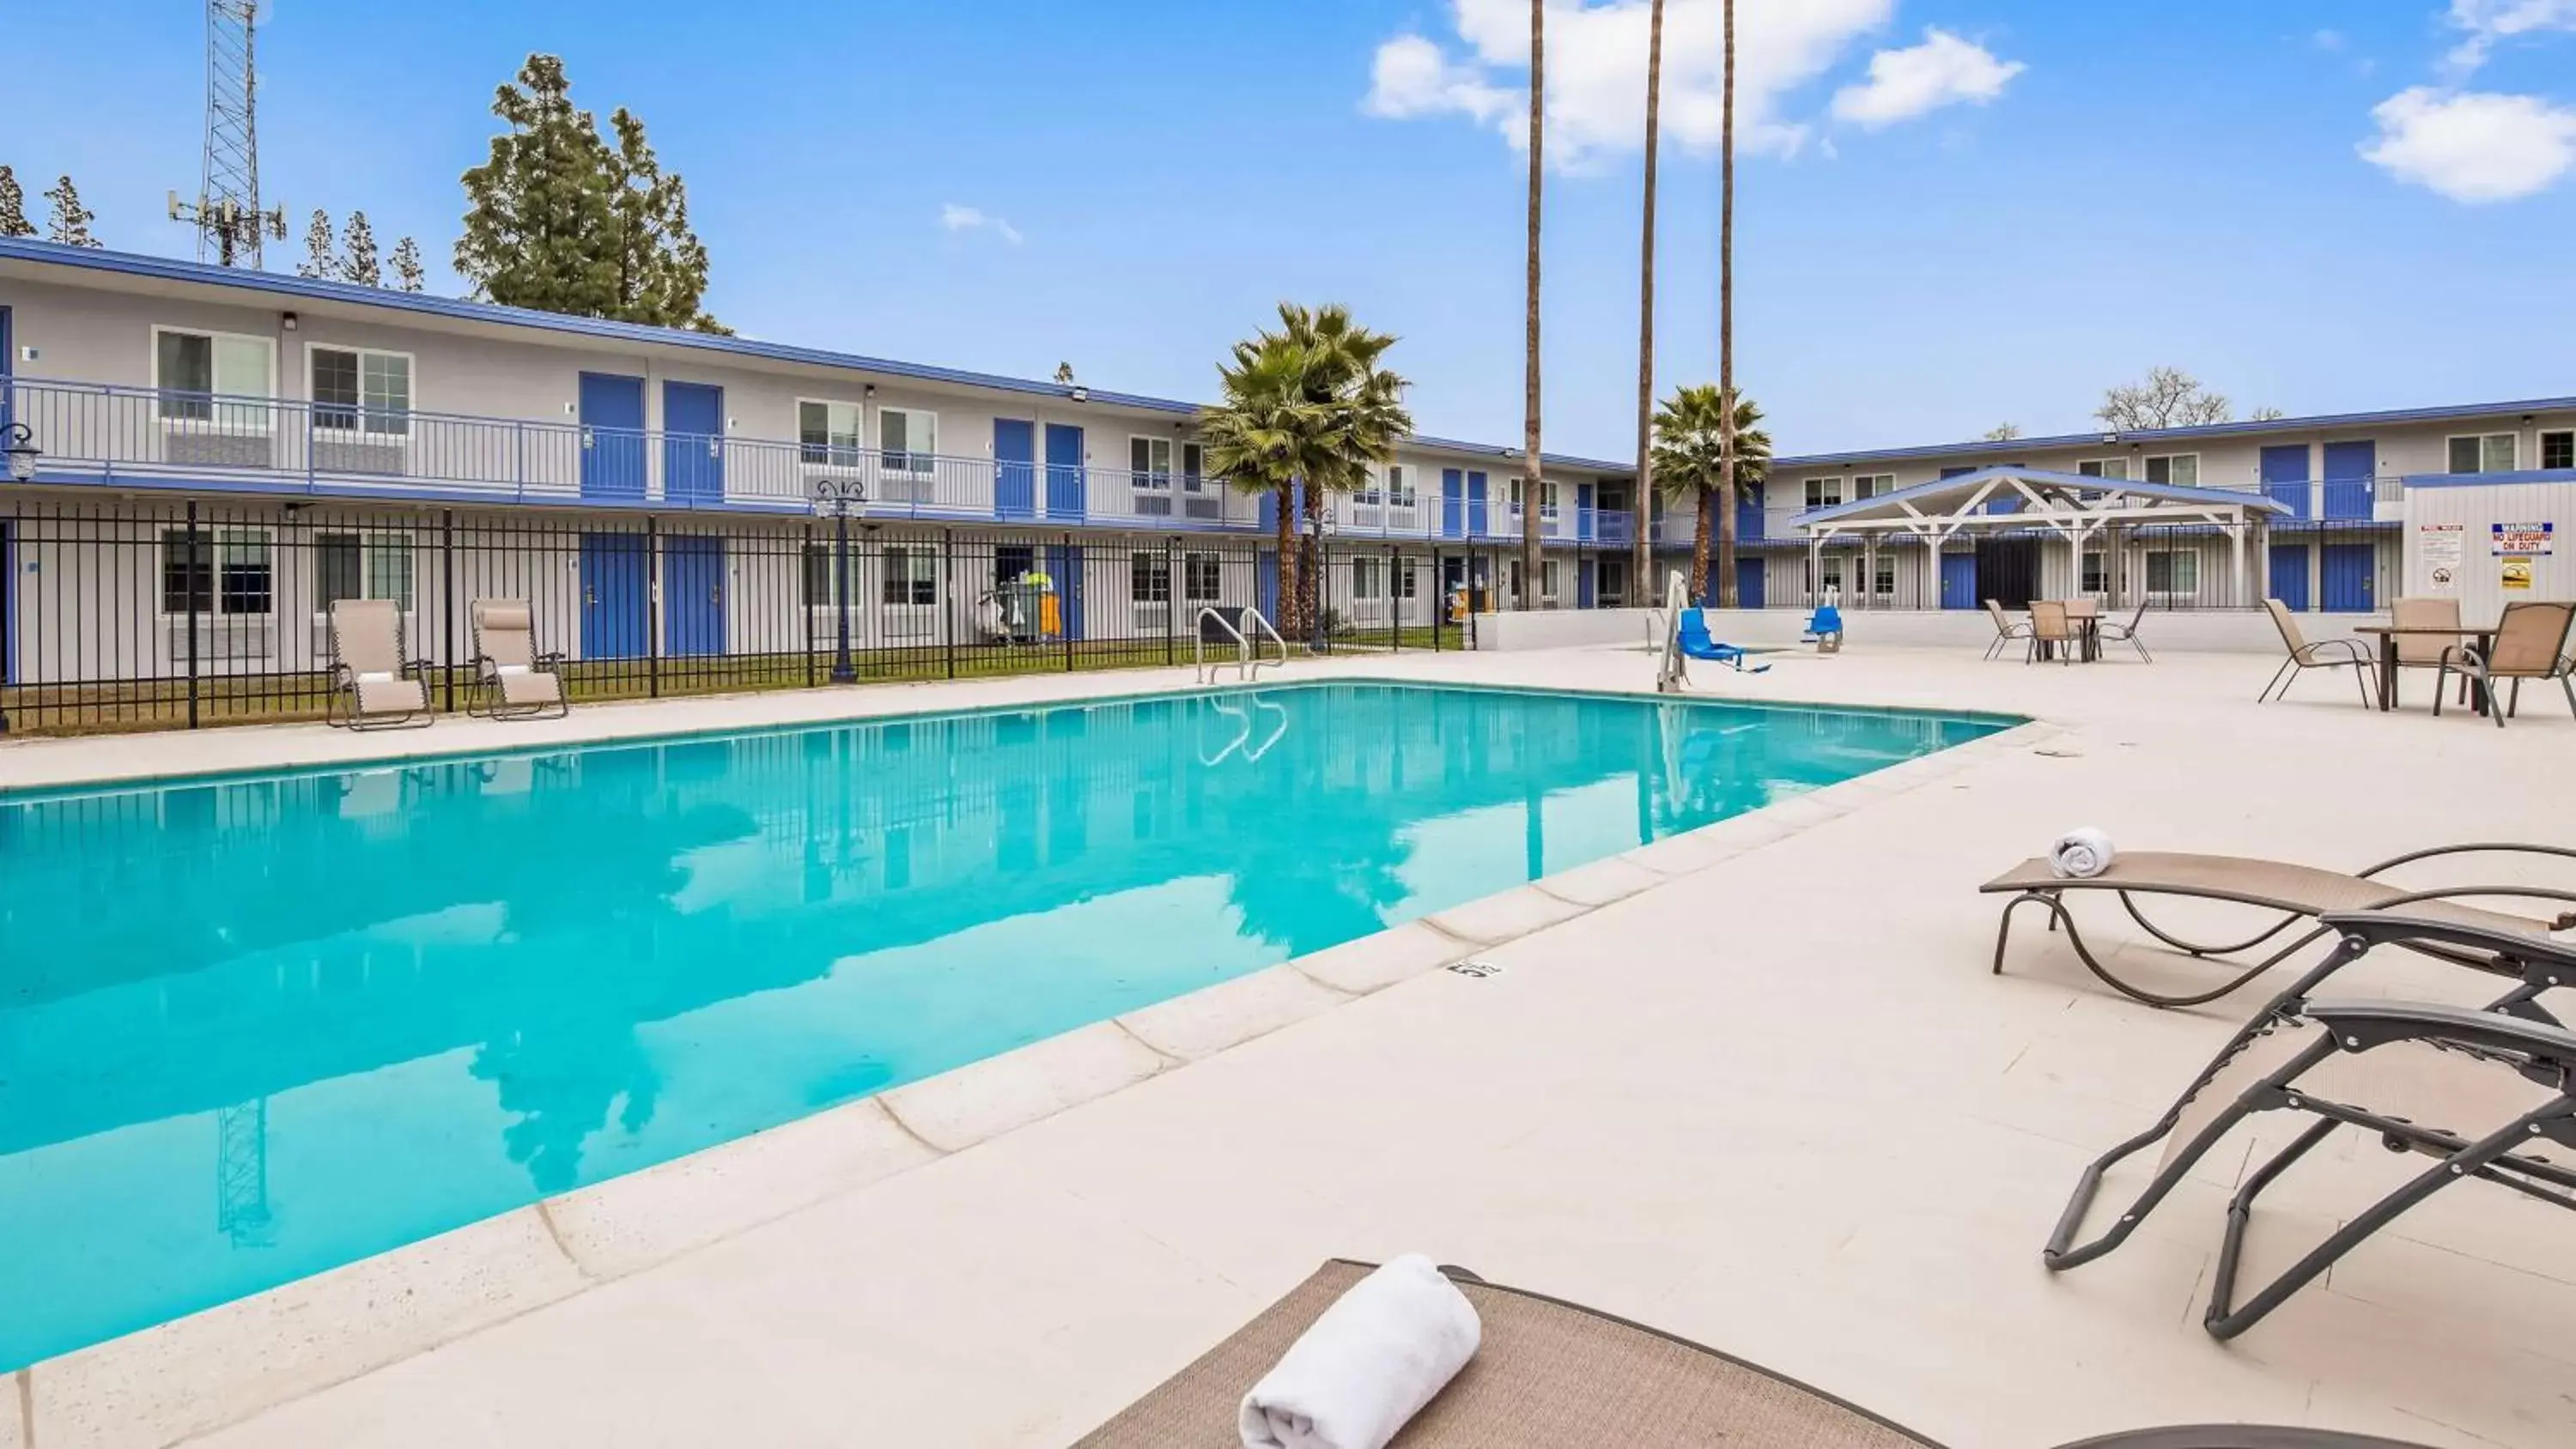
[2517,574]
[2529,539]
[2440,546]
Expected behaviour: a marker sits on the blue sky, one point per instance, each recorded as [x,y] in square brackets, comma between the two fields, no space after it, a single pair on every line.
[1953,213]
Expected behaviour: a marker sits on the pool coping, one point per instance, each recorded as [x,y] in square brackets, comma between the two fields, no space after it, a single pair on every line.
[222,1365]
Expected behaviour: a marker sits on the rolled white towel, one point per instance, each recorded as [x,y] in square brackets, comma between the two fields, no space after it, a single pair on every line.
[2081,854]
[1367,1365]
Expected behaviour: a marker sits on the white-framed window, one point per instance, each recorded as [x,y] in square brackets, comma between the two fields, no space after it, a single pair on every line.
[203,377]
[1202,577]
[229,571]
[2483,453]
[831,434]
[1828,576]
[2095,578]
[908,439]
[1546,497]
[1149,463]
[2558,450]
[359,390]
[2114,468]
[2181,470]
[1149,576]
[1366,582]
[822,577]
[1824,492]
[368,565]
[1407,584]
[1399,486]
[1883,582]
[2173,571]
[911,576]
[1547,572]
[1872,485]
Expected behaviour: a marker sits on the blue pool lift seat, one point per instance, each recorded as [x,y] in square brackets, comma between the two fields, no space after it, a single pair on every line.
[1696,643]
[1824,629]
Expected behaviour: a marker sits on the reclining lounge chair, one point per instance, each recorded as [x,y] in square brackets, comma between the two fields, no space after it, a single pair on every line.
[1556,1375]
[2475,1090]
[511,679]
[374,685]
[2298,892]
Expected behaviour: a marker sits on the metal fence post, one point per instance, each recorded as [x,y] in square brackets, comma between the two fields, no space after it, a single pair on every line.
[1439,602]
[447,604]
[652,597]
[194,609]
[805,596]
[1394,607]
[1171,607]
[948,597]
[1070,585]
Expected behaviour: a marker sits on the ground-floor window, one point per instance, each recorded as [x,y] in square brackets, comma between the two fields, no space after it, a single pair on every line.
[1883,580]
[1013,562]
[217,571]
[2095,579]
[1827,575]
[1547,571]
[822,581]
[2173,571]
[1406,586]
[1364,578]
[910,576]
[1149,577]
[1202,577]
[364,566]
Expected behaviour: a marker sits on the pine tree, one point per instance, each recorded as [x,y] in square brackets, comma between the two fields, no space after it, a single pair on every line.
[358,253]
[407,270]
[561,220]
[71,219]
[320,258]
[13,206]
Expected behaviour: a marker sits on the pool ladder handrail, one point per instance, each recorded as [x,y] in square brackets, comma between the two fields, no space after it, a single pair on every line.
[1247,654]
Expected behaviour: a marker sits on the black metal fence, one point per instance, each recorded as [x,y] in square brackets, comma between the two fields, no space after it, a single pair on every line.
[187,613]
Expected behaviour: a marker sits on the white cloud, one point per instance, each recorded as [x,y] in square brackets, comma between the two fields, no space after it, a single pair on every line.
[1596,70]
[2491,22]
[1944,70]
[967,218]
[2473,146]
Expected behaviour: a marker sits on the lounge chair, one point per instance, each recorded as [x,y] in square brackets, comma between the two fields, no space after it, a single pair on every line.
[2298,892]
[2349,654]
[2116,632]
[2007,629]
[1557,1375]
[1695,642]
[2472,1089]
[2052,632]
[2530,643]
[511,679]
[374,684]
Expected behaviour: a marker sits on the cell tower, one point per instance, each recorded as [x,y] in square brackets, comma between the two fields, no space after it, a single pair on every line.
[226,214]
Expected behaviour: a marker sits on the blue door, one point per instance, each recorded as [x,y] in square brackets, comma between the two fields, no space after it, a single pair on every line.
[1748,583]
[1064,565]
[613,589]
[2289,574]
[2348,571]
[1063,471]
[1453,503]
[1265,591]
[1475,505]
[2285,478]
[612,436]
[692,443]
[1583,514]
[1015,468]
[693,590]
[2350,469]
[1583,583]
[1958,581]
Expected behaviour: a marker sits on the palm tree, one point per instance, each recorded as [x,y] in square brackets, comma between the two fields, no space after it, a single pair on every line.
[1533,472]
[1641,544]
[1725,349]
[1310,404]
[1704,452]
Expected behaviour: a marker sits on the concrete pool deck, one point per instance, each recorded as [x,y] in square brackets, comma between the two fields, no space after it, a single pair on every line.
[1757,1089]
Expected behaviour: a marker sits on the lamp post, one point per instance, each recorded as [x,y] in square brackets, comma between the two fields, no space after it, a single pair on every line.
[22,451]
[841,495]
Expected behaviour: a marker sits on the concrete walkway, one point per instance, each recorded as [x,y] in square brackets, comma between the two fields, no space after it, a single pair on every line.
[1776,1104]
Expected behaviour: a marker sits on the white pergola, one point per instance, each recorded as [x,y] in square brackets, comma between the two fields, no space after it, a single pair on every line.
[2077,507]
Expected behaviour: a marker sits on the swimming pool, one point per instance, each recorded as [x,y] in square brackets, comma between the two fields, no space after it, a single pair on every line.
[255,1027]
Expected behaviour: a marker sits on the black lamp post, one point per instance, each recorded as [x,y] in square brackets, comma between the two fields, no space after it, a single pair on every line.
[841,495]
[22,451]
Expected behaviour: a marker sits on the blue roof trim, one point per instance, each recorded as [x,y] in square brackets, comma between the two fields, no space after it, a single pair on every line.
[2313,423]
[2481,480]
[1969,482]
[172,269]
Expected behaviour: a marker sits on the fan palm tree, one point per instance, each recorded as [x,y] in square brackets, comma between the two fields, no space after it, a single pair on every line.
[1708,454]
[1641,543]
[1361,408]
[1729,482]
[1532,469]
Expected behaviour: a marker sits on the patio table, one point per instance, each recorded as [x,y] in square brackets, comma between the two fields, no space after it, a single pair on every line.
[2389,634]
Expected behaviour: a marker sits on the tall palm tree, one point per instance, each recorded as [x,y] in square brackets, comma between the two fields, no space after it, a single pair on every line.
[1533,472]
[1641,565]
[1251,440]
[1703,450]
[1361,409]
[1725,338]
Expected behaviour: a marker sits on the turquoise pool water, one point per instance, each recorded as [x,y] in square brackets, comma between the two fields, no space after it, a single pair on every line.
[255,1027]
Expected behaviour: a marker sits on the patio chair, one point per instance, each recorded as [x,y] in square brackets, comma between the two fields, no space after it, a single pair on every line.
[2007,628]
[1557,1375]
[2052,630]
[2116,632]
[2298,892]
[374,684]
[2472,1089]
[2423,651]
[2350,654]
[2530,643]
[511,679]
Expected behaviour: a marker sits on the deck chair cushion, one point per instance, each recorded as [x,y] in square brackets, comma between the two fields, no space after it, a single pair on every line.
[389,694]
[527,686]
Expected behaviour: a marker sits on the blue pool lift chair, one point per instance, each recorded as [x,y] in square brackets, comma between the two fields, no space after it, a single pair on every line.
[1696,644]
[1824,630]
